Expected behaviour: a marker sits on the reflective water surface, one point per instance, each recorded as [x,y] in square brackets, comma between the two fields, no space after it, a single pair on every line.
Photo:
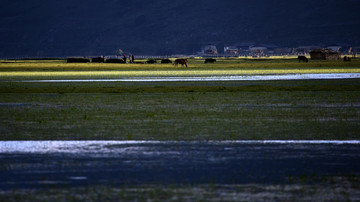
[35,164]
[217,78]
[95,146]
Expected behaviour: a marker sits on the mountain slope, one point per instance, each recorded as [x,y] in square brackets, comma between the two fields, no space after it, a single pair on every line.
[63,28]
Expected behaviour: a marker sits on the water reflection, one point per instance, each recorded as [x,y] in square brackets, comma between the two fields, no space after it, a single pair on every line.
[35,164]
[95,146]
[215,78]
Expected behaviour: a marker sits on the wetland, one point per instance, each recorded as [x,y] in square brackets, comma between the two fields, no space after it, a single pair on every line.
[233,110]
[174,121]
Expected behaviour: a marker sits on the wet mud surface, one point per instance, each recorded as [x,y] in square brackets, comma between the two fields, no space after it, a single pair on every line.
[42,164]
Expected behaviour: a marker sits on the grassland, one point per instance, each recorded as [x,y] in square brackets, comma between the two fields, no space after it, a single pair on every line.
[317,109]
[181,111]
[59,69]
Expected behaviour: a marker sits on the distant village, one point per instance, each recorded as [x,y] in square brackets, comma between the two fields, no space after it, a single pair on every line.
[253,50]
[210,51]
[332,51]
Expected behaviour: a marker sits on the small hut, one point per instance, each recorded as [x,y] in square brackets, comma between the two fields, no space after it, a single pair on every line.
[324,54]
[210,50]
[231,50]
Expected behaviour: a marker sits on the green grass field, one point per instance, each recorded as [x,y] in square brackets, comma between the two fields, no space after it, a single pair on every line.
[234,110]
[59,69]
[181,111]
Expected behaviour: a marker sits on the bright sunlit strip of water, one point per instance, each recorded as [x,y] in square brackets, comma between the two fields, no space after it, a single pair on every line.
[102,146]
[215,78]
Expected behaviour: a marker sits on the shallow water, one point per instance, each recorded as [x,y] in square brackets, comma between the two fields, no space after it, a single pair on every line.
[215,78]
[108,146]
[39,164]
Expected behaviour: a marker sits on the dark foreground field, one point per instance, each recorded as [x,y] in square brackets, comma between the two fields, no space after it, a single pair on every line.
[314,109]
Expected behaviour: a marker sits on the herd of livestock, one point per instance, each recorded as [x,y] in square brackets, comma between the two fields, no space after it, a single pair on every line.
[149,61]
[162,61]
[305,59]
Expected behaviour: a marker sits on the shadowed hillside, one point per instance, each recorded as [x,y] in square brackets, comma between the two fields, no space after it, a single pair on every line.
[63,28]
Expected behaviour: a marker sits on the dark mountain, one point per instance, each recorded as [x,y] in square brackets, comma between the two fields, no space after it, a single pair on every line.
[91,27]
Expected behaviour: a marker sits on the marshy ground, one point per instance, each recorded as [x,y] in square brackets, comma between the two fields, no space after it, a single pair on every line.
[316,109]
[185,111]
[180,170]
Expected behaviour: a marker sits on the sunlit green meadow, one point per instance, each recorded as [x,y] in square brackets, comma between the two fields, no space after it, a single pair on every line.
[57,69]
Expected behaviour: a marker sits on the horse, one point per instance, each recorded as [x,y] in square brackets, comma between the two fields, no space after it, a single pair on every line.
[181,61]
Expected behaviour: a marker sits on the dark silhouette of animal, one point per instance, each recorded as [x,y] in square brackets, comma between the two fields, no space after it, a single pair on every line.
[151,61]
[115,61]
[77,60]
[98,59]
[302,58]
[181,61]
[166,61]
[210,60]
[347,59]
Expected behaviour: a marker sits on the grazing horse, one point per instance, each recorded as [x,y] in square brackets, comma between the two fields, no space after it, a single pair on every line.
[302,58]
[181,61]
